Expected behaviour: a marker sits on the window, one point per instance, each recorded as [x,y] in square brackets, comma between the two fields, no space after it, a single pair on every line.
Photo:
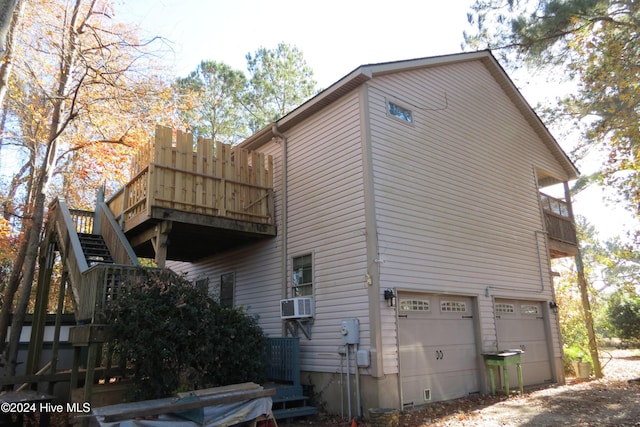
[227,285]
[414,305]
[528,309]
[505,308]
[399,112]
[453,306]
[202,285]
[302,276]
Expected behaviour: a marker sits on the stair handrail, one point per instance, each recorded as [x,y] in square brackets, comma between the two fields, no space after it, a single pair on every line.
[70,234]
[123,243]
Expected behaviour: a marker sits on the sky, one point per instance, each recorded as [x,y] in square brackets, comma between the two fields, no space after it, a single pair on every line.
[335,37]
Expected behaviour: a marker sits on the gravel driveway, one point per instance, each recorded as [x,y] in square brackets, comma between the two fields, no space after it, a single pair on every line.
[610,401]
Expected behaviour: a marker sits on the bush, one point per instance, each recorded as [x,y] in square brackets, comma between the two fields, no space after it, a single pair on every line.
[175,337]
[623,313]
[574,353]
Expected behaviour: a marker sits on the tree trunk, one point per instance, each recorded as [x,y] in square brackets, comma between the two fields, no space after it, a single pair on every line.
[584,295]
[6,12]
[68,63]
[10,291]
[8,51]
[31,254]
[588,316]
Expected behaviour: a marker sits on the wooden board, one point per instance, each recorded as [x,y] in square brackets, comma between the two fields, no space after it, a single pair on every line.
[147,408]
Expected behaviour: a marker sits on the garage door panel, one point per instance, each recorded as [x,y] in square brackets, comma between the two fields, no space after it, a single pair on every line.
[421,359]
[534,351]
[423,389]
[414,359]
[532,373]
[456,357]
[439,331]
[437,348]
[520,325]
[523,329]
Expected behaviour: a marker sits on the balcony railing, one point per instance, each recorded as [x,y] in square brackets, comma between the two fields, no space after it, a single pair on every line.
[558,220]
[201,177]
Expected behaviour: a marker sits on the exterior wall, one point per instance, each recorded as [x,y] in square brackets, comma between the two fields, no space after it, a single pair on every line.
[457,207]
[326,219]
[256,267]
[450,206]
[375,392]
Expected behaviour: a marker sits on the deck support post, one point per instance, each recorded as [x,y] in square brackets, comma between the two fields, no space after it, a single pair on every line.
[161,242]
[57,327]
[46,261]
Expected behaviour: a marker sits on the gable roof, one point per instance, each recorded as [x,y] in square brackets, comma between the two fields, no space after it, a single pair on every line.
[366,72]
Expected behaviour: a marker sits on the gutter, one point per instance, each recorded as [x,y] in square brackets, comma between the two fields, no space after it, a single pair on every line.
[283,140]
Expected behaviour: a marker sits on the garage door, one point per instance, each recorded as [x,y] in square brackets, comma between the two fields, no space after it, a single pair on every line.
[521,325]
[438,356]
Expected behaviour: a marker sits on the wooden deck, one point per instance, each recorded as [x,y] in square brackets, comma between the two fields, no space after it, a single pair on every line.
[561,229]
[202,196]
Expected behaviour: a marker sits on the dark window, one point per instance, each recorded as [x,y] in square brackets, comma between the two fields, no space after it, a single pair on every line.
[202,285]
[227,285]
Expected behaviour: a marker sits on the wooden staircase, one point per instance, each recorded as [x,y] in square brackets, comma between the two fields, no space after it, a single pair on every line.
[98,262]
[95,249]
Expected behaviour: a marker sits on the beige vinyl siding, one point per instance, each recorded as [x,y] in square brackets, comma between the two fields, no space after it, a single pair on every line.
[255,275]
[456,198]
[389,335]
[326,218]
[488,336]
[257,268]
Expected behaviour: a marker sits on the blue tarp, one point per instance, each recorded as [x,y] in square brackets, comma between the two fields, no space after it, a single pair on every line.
[212,416]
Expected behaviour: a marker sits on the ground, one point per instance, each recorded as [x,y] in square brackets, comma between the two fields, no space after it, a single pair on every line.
[611,401]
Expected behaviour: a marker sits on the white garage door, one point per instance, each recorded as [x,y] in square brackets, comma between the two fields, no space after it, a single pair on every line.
[521,325]
[438,356]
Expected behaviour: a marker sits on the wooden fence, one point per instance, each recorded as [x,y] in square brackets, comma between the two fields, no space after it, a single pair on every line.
[204,177]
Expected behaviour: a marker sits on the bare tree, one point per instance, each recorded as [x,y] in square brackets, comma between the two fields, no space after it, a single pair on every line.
[76,86]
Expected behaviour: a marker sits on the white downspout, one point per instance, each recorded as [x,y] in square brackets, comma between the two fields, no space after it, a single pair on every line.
[283,232]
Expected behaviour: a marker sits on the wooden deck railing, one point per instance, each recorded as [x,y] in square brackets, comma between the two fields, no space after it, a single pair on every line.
[64,224]
[206,178]
[114,238]
[101,284]
[83,220]
[558,220]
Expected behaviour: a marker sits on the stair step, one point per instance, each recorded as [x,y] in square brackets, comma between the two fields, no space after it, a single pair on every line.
[301,411]
[287,390]
[95,249]
[283,399]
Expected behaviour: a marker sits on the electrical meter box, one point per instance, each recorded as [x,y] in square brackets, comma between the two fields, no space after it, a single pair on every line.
[350,331]
[363,358]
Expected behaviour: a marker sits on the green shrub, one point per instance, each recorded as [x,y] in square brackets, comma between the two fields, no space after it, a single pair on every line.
[574,353]
[623,313]
[177,338]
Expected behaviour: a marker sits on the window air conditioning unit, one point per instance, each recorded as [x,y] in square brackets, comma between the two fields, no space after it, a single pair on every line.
[296,308]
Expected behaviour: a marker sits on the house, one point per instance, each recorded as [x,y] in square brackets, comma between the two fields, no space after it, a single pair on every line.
[395,224]
[408,216]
